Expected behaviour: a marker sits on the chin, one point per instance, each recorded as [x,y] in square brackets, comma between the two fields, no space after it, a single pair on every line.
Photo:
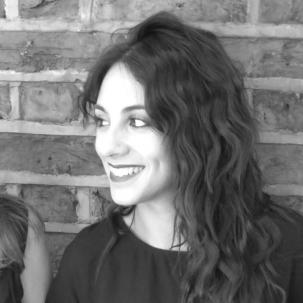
[121,201]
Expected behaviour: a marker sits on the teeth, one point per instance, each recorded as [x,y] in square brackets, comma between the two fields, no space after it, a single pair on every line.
[120,172]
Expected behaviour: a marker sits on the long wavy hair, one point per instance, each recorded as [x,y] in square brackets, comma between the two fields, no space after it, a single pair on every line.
[15,219]
[195,96]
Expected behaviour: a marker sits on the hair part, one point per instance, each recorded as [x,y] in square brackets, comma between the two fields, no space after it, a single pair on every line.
[195,96]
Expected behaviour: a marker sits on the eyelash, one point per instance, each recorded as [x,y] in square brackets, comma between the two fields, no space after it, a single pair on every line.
[132,122]
[99,122]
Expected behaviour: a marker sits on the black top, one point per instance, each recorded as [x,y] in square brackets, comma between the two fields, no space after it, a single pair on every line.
[135,272]
[11,290]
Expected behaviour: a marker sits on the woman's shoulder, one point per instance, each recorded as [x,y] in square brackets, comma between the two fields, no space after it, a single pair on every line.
[289,220]
[95,231]
[35,223]
[91,240]
[290,224]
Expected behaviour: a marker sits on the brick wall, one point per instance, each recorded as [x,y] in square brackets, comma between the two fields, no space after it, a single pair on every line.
[46,48]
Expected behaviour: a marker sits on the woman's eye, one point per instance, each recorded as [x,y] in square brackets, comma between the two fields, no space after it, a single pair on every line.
[137,123]
[101,122]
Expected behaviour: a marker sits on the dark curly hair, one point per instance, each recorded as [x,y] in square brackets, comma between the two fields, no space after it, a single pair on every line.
[195,96]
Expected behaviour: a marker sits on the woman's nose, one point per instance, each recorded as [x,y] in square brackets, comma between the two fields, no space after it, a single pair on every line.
[110,142]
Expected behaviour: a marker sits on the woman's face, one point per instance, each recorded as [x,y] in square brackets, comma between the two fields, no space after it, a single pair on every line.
[135,156]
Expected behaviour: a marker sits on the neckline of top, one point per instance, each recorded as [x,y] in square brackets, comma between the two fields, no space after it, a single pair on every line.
[144,244]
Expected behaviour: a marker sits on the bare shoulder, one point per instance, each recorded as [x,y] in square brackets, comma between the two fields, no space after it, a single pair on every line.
[35,225]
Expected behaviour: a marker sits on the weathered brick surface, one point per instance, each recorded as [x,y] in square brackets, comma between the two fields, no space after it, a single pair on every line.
[281,11]
[50,102]
[49,154]
[49,8]
[5,106]
[27,4]
[281,163]
[192,10]
[267,57]
[35,51]
[2,11]
[3,189]
[57,243]
[54,203]
[279,110]
[39,51]
[294,202]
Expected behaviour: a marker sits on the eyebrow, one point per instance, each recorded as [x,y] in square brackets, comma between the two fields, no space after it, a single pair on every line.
[125,110]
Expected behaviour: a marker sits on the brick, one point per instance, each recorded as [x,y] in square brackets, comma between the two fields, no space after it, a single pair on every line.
[28,4]
[3,189]
[260,57]
[49,102]
[281,11]
[49,8]
[191,10]
[49,154]
[279,110]
[100,199]
[2,10]
[54,203]
[57,242]
[10,189]
[281,163]
[5,106]
[294,202]
[34,51]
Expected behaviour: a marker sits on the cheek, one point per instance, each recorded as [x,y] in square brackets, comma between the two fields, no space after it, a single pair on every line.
[98,148]
[145,146]
[154,149]
[148,149]
[160,158]
[97,142]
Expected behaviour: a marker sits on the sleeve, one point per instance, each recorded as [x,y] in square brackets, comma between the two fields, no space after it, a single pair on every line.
[63,287]
[4,287]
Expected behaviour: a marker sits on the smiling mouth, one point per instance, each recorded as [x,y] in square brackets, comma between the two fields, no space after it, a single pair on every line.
[124,173]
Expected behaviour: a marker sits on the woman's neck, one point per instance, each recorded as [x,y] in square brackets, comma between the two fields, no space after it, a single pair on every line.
[154,224]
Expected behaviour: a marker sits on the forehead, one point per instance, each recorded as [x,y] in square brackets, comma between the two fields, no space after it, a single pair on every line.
[120,89]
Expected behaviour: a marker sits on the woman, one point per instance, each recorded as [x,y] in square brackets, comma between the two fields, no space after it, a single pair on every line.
[24,260]
[190,222]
